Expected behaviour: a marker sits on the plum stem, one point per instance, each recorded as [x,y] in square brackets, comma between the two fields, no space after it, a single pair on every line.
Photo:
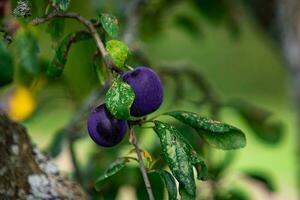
[141,164]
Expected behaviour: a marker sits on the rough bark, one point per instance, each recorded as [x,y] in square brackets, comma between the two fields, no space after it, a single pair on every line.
[25,173]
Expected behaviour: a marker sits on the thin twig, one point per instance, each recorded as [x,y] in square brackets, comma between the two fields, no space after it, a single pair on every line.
[88,24]
[141,164]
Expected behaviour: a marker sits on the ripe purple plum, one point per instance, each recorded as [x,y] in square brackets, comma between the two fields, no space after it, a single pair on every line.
[104,129]
[147,88]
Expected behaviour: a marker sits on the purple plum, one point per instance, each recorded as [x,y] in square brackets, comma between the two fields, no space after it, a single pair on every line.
[148,90]
[104,129]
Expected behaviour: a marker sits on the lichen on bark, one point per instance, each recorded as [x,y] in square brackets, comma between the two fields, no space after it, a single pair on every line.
[25,173]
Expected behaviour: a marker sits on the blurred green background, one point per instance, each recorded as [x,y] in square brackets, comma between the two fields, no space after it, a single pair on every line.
[247,66]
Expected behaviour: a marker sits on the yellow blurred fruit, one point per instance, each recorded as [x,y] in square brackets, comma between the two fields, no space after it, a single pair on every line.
[21,103]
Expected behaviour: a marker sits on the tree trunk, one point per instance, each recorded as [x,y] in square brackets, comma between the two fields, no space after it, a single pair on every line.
[25,173]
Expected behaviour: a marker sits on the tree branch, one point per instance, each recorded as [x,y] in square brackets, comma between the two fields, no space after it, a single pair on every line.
[89,25]
[141,164]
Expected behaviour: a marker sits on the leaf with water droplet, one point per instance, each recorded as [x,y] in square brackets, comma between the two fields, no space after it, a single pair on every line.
[119,99]
[169,182]
[176,152]
[118,52]
[59,61]
[184,194]
[217,134]
[202,172]
[113,168]
[110,24]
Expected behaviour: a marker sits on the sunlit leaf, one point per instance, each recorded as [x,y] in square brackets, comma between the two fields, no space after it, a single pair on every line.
[260,121]
[6,65]
[119,99]
[176,152]
[217,134]
[57,64]
[28,49]
[113,168]
[110,24]
[169,182]
[118,52]
[61,4]
[145,155]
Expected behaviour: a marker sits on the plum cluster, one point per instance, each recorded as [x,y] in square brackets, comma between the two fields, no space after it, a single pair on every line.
[108,131]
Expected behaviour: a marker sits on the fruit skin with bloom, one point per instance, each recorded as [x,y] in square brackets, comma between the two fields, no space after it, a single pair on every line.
[104,129]
[147,88]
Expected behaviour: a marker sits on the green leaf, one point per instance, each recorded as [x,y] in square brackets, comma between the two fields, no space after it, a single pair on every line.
[56,28]
[118,52]
[113,168]
[6,65]
[189,24]
[235,193]
[260,121]
[169,182]
[263,178]
[63,5]
[110,24]
[119,99]
[57,64]
[215,11]
[57,143]
[217,134]
[184,194]
[100,69]
[202,172]
[176,152]
[27,50]
[23,9]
